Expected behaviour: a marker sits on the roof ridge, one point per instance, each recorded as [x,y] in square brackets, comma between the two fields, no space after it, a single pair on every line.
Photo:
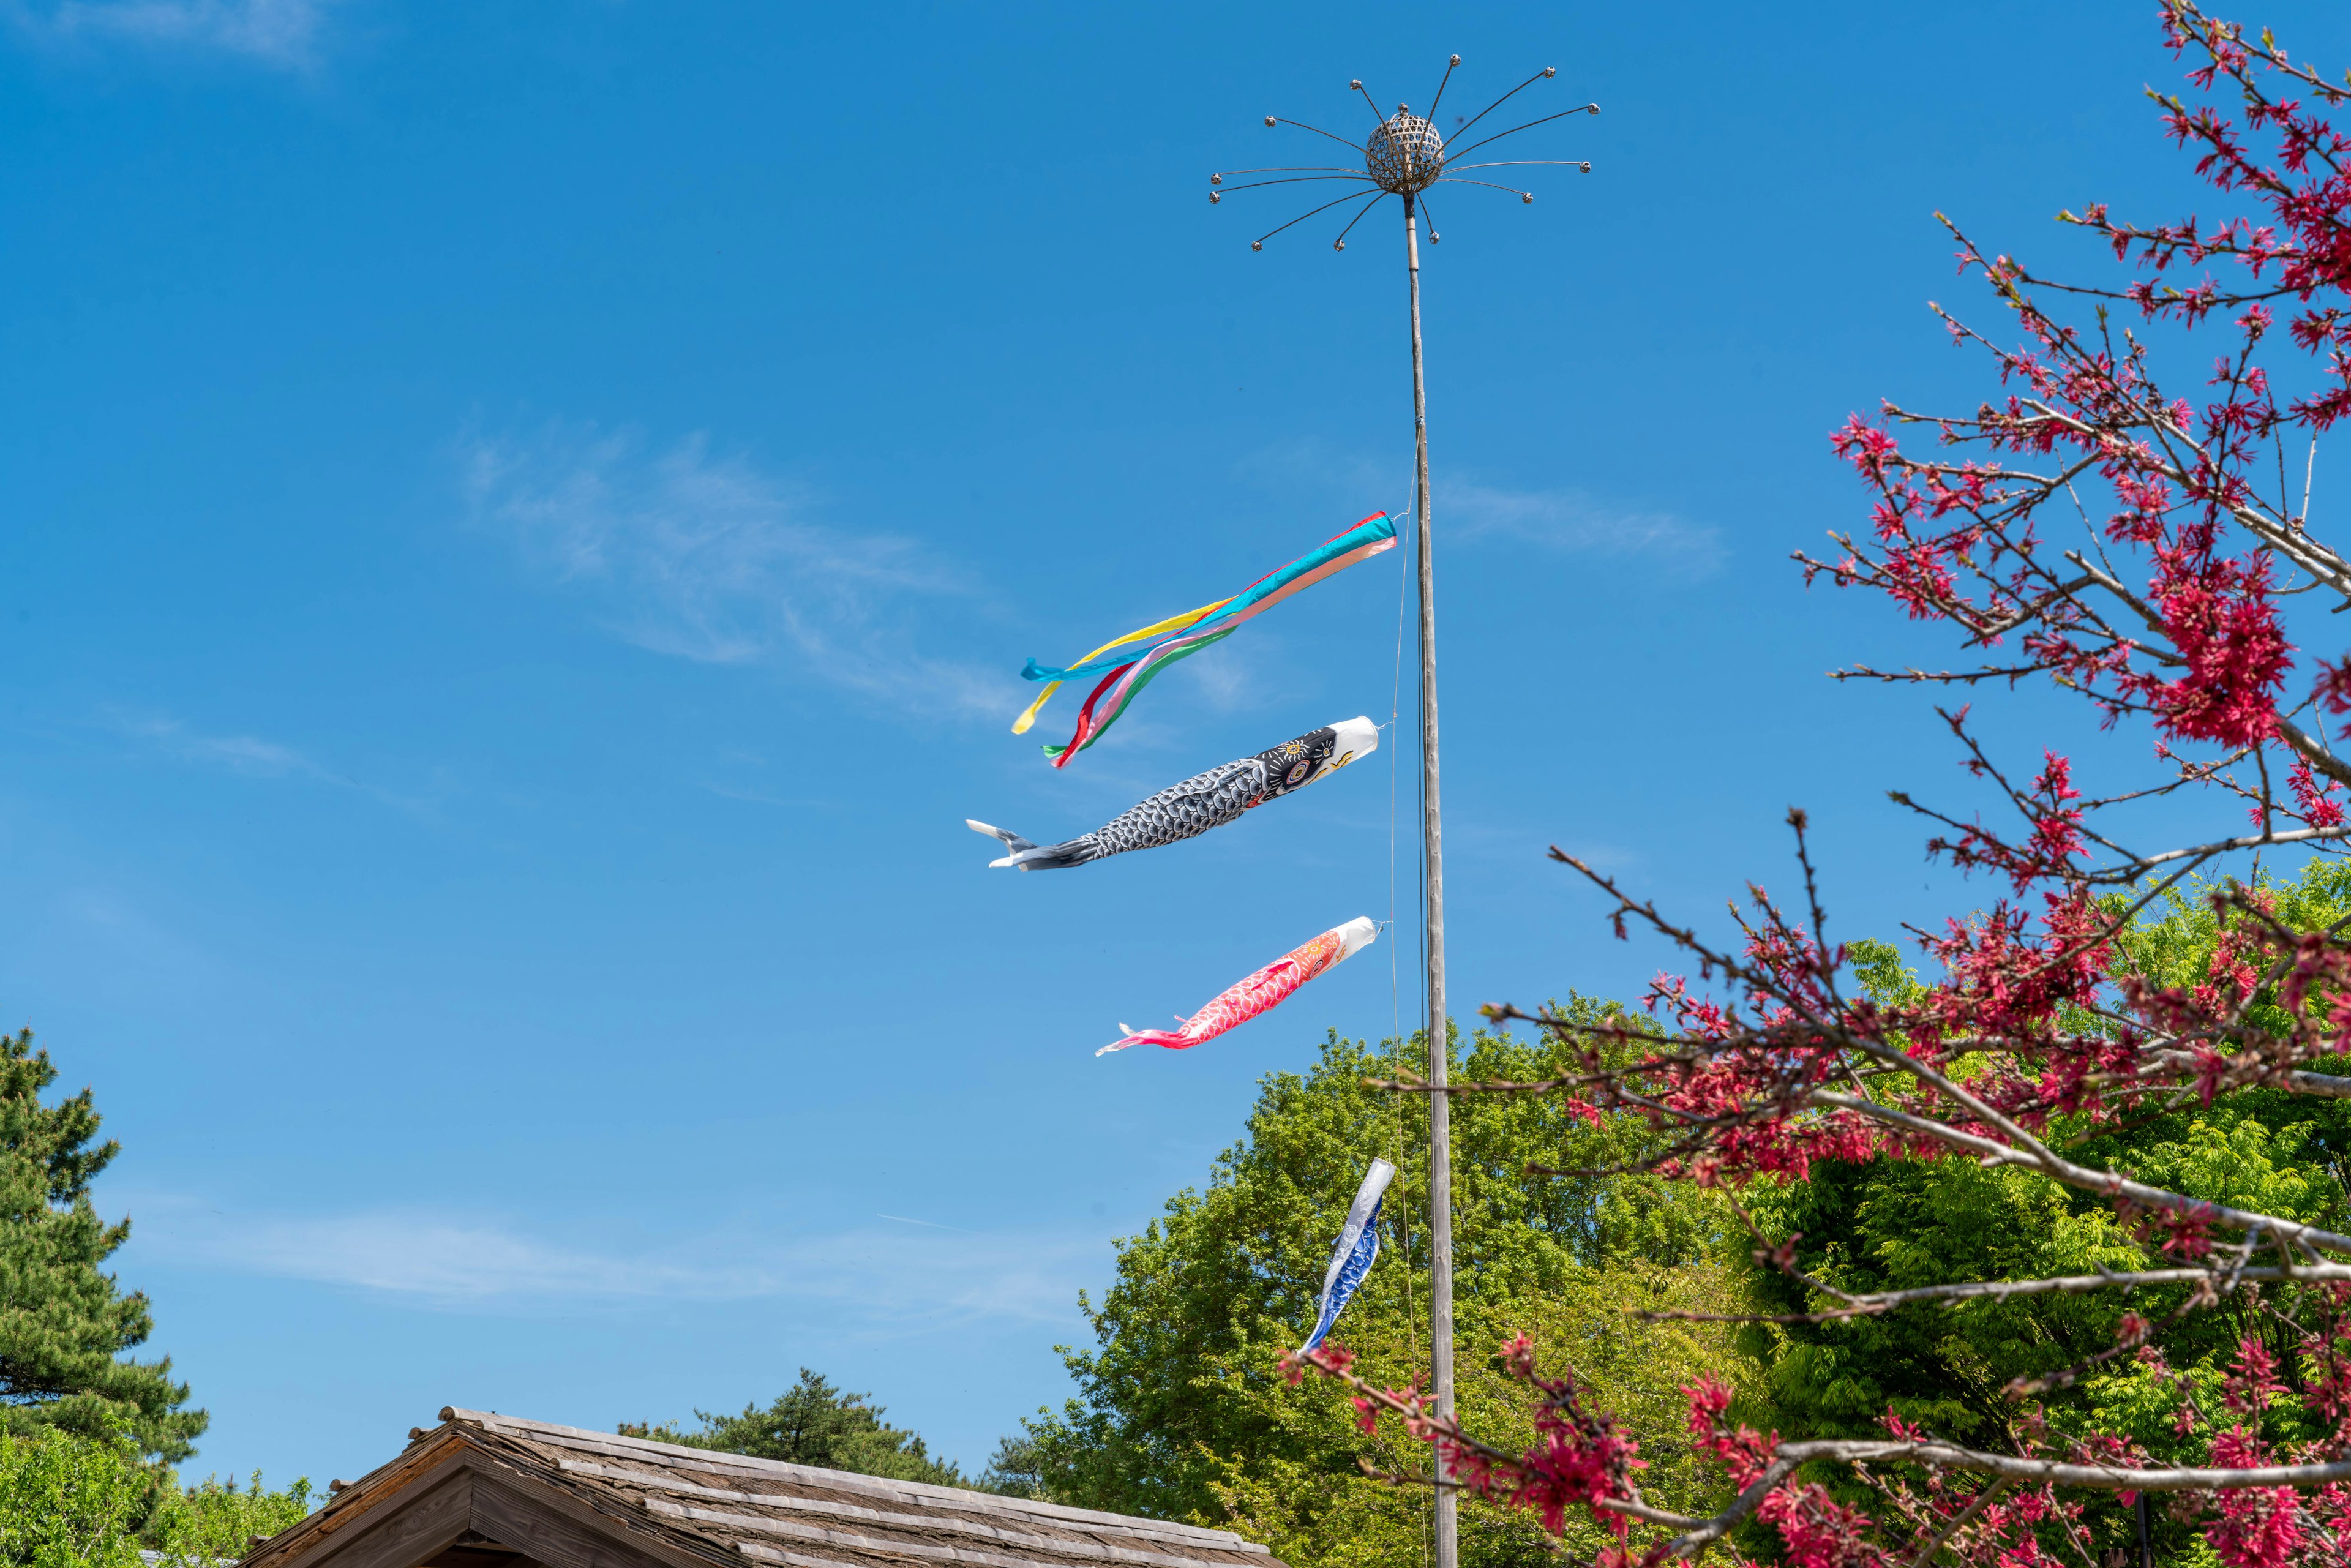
[846,1481]
[792,1529]
[1087,1542]
[1134,1529]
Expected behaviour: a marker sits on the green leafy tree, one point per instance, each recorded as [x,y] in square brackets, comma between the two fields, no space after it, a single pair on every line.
[814,1423]
[67,1502]
[65,1323]
[1017,1470]
[1182,1412]
[1892,1223]
[216,1521]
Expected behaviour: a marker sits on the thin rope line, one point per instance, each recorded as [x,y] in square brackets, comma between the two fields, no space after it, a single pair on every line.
[1396,710]
[1397,1038]
[1396,994]
[1420,1353]
[1397,1129]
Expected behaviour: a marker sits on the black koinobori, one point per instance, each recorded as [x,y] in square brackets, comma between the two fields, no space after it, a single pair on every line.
[1205,800]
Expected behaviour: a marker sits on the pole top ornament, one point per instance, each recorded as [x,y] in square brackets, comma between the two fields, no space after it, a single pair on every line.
[1404,154]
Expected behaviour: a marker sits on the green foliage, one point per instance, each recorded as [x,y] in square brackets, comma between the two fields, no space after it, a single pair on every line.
[1182,1412]
[215,1521]
[70,1500]
[1302,1494]
[1893,1223]
[814,1423]
[67,1502]
[1016,1470]
[2174,945]
[64,1323]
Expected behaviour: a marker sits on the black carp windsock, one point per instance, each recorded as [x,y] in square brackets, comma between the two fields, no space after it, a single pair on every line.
[1205,800]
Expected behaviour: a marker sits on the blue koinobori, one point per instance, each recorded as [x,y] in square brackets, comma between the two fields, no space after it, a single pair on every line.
[1359,1243]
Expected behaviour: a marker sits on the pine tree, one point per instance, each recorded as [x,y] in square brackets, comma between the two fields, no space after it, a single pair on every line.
[64,1324]
[814,1423]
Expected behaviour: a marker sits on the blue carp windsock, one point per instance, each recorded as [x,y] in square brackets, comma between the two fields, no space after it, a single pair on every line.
[1351,1259]
[1205,800]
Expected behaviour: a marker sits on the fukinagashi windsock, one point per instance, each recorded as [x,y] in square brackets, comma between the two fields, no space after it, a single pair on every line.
[1129,664]
[1205,800]
[1267,989]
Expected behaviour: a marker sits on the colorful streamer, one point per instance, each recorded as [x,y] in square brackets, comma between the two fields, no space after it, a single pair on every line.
[1125,674]
[1205,800]
[1173,623]
[1359,1244]
[1265,990]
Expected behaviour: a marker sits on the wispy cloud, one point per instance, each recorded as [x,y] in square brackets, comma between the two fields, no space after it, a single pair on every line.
[452,1261]
[281,32]
[250,757]
[1340,476]
[709,557]
[246,754]
[1569,520]
[1575,521]
[1231,680]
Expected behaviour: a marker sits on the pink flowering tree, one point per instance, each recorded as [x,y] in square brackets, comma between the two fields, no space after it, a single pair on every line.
[2138,533]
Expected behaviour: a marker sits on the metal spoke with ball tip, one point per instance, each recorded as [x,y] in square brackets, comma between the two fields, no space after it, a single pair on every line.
[1404,156]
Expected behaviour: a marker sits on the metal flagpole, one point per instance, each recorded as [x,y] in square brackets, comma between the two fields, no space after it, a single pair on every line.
[1404,156]
[1432,842]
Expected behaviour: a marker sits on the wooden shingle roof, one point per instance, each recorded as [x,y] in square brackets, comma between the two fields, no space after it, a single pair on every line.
[484,1491]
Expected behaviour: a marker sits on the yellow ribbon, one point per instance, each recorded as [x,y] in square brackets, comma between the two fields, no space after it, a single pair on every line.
[1173,623]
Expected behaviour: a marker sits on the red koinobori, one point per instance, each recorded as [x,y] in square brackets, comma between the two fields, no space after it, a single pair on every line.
[1267,989]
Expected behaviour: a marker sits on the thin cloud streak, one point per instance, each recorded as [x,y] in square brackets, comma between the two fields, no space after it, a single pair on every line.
[1570,521]
[706,558]
[251,756]
[243,754]
[445,1261]
[1573,521]
[284,34]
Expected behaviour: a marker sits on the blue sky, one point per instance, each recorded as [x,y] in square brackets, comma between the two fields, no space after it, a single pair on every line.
[521,525]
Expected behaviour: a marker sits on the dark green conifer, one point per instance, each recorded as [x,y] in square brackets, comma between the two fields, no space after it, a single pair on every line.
[814,1423]
[65,1325]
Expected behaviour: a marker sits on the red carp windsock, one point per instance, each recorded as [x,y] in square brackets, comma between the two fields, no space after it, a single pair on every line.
[1269,988]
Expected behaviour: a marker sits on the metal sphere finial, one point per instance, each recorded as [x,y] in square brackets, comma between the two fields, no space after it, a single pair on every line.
[1404,154]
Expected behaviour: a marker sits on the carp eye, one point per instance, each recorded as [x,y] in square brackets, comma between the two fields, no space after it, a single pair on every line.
[1298,771]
